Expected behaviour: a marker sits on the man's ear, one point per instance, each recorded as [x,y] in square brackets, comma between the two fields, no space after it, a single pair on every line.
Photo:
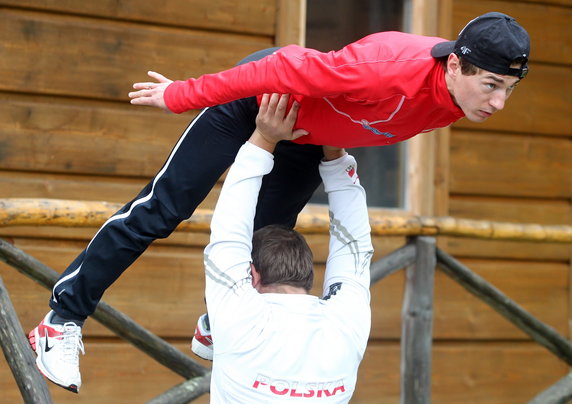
[453,65]
[255,276]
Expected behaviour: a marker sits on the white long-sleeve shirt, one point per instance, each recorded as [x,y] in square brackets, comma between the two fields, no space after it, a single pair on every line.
[274,347]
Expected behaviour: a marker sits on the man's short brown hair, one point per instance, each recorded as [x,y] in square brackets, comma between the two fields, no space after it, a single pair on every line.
[282,256]
[467,68]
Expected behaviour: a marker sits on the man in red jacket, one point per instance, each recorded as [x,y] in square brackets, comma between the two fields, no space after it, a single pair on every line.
[382,89]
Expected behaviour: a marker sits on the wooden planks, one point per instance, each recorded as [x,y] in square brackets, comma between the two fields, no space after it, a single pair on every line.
[541,211]
[496,373]
[47,54]
[554,2]
[59,135]
[113,372]
[256,17]
[539,287]
[17,184]
[499,373]
[461,247]
[485,163]
[506,209]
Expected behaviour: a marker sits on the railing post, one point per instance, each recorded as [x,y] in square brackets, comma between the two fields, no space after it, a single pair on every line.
[417,324]
[19,355]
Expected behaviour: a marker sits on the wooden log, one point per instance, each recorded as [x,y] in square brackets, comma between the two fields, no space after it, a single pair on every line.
[116,321]
[67,213]
[558,393]
[19,355]
[417,324]
[540,332]
[391,263]
[184,392]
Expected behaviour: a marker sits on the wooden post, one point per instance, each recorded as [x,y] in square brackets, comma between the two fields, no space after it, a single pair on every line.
[184,392]
[18,354]
[290,22]
[391,263]
[540,332]
[417,325]
[119,323]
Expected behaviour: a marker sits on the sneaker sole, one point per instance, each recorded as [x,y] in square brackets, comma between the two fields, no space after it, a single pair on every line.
[32,338]
[201,351]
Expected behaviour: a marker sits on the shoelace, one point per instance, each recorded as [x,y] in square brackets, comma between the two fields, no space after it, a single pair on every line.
[72,343]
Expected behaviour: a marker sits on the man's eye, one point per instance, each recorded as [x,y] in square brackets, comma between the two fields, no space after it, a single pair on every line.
[490,86]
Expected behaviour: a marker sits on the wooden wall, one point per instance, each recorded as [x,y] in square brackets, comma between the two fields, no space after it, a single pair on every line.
[516,167]
[67,131]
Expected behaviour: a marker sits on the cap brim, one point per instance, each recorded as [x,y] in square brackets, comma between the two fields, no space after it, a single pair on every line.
[443,49]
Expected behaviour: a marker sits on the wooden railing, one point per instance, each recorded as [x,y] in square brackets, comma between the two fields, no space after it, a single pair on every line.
[420,257]
[67,213]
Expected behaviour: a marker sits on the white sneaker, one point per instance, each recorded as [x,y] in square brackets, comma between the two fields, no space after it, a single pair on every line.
[202,344]
[58,347]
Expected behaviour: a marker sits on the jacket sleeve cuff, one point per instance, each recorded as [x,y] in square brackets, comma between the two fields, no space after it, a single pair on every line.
[171,98]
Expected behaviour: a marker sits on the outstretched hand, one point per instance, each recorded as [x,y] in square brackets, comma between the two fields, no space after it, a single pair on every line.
[151,93]
[273,124]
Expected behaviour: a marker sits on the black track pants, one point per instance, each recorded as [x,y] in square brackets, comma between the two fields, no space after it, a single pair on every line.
[205,150]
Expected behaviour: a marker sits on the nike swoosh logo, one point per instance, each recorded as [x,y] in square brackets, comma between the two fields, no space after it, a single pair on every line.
[48,347]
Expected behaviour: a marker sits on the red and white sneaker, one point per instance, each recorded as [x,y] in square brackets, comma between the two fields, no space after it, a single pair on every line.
[202,344]
[58,347]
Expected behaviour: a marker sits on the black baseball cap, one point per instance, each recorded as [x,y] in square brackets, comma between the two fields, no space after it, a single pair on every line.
[492,41]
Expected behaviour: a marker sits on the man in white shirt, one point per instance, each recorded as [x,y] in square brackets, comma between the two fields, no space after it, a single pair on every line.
[273,342]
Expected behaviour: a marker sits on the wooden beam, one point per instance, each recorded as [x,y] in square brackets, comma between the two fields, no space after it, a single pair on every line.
[427,153]
[290,22]
[424,17]
[66,213]
[421,174]
[417,325]
[391,263]
[184,392]
[19,355]
[540,332]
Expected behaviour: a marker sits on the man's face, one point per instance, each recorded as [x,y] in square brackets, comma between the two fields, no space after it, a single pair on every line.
[482,94]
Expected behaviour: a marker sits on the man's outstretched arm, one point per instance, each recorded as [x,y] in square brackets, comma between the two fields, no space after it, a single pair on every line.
[228,255]
[347,279]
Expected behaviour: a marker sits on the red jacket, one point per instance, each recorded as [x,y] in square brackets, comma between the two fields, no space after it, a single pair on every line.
[380,90]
